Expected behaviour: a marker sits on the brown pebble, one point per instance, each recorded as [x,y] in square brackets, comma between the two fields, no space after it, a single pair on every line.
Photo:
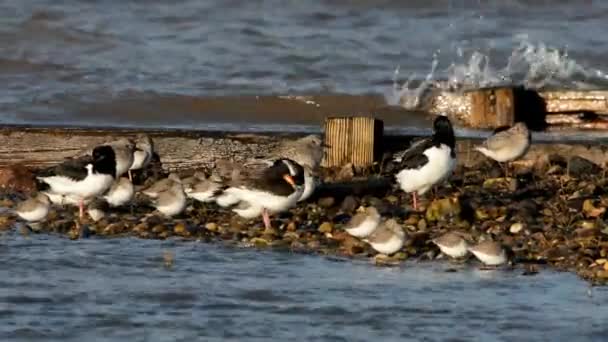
[180,229]
[5,222]
[159,228]
[422,224]
[313,244]
[291,227]
[260,242]
[289,235]
[211,226]
[326,227]
[349,204]
[392,199]
[587,230]
[326,202]
[142,227]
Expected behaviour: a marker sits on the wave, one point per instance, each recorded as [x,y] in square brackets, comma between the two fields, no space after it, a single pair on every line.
[532,65]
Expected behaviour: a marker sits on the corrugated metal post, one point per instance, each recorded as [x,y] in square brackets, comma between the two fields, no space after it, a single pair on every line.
[352,140]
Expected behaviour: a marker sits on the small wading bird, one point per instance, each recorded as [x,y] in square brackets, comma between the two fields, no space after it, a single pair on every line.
[452,245]
[490,253]
[142,154]
[507,144]
[363,223]
[34,209]
[429,161]
[388,238]
[168,196]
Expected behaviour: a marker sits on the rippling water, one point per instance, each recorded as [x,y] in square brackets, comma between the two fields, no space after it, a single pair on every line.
[157,63]
[80,61]
[120,290]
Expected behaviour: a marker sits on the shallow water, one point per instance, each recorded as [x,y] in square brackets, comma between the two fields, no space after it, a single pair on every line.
[158,63]
[52,288]
[79,62]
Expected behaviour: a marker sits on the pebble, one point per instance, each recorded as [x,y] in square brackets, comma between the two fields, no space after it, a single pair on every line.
[516,228]
[326,202]
[349,204]
[326,227]
[180,229]
[291,227]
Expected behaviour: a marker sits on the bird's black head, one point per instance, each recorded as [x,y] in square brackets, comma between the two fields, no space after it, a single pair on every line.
[104,160]
[287,170]
[443,132]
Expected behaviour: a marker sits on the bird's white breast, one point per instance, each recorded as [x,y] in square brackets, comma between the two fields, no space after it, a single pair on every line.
[365,228]
[439,166]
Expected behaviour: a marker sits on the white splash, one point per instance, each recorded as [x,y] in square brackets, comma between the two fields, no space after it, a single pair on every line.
[410,97]
[535,66]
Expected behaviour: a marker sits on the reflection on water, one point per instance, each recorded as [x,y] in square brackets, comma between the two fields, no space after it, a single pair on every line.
[121,290]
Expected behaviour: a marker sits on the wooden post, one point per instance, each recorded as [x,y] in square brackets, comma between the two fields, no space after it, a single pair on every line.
[352,140]
[491,108]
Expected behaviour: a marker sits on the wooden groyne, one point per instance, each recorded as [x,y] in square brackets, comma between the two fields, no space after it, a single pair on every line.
[555,111]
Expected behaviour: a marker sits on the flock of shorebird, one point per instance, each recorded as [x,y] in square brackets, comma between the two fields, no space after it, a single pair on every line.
[261,187]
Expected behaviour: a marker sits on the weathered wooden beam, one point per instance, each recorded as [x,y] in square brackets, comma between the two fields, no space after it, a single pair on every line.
[39,147]
[186,150]
[492,108]
[489,108]
[561,101]
[352,140]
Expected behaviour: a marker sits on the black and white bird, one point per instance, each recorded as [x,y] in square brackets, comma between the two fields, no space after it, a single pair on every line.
[429,161]
[123,150]
[120,193]
[308,152]
[34,209]
[507,144]
[265,189]
[82,178]
[142,154]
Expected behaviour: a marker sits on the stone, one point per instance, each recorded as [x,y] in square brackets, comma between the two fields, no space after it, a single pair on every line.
[442,209]
[259,242]
[392,199]
[180,229]
[211,226]
[591,211]
[346,173]
[326,227]
[5,222]
[580,166]
[516,228]
[159,228]
[349,204]
[291,227]
[17,178]
[326,202]
[422,224]
[501,184]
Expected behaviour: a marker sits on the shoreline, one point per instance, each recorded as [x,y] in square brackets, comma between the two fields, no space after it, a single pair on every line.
[551,217]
